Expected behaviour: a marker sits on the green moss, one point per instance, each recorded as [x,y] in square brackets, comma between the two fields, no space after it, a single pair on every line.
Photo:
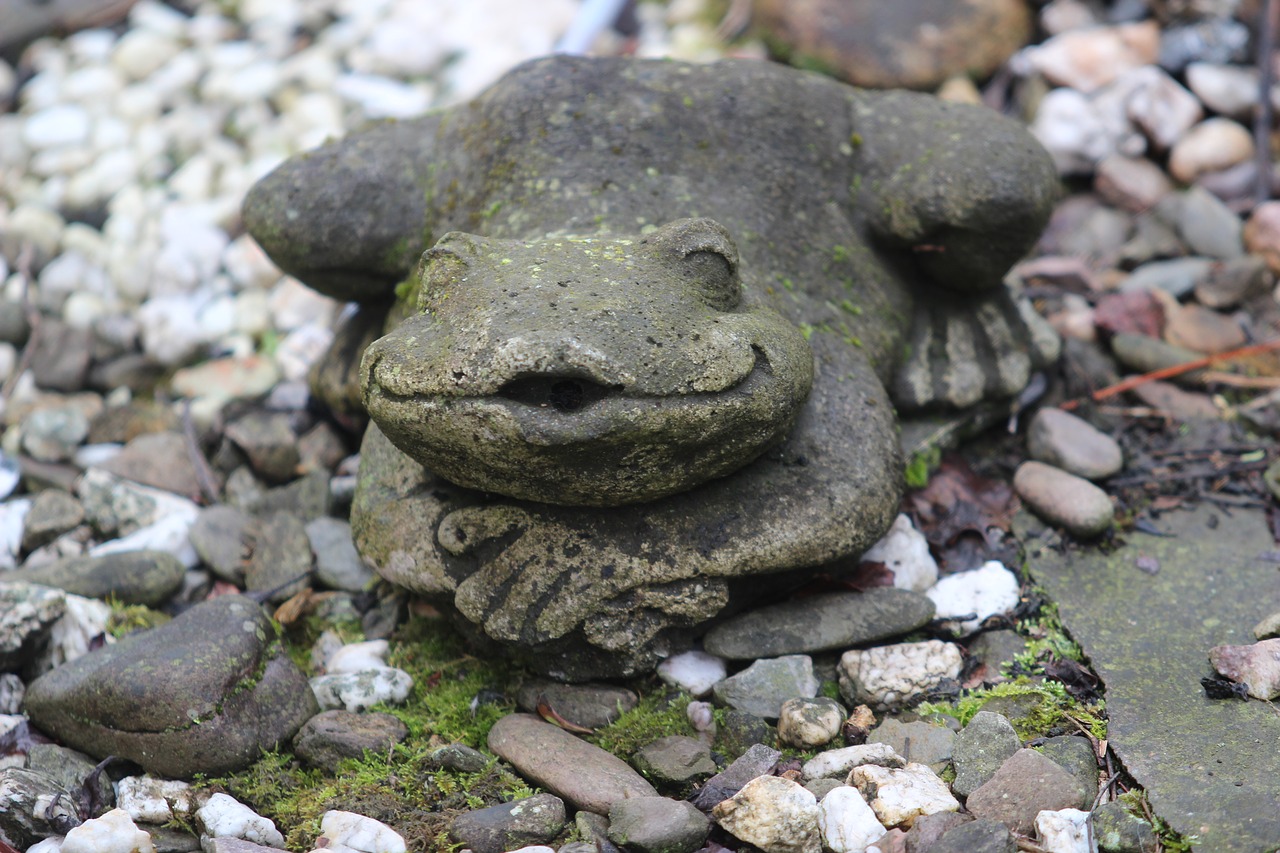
[1135,801]
[126,619]
[921,466]
[655,716]
[1047,637]
[1050,707]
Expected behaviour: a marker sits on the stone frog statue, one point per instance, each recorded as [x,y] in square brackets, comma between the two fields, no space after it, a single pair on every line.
[648,326]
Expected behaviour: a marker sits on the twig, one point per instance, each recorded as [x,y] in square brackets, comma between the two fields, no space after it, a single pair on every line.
[203,475]
[25,256]
[1262,118]
[1174,370]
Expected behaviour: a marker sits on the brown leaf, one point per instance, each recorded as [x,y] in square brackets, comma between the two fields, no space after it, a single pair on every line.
[1075,677]
[957,501]
[546,712]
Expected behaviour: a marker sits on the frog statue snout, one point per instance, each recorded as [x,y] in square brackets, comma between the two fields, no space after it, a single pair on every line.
[587,370]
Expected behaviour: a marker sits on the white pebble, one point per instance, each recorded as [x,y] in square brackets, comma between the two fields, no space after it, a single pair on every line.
[848,824]
[141,51]
[83,622]
[982,592]
[224,817]
[905,552]
[301,348]
[114,832]
[1231,90]
[836,763]
[90,47]
[170,328]
[354,657]
[158,17]
[382,97]
[66,124]
[147,799]
[693,671]
[360,833]
[898,797]
[359,691]
[1065,831]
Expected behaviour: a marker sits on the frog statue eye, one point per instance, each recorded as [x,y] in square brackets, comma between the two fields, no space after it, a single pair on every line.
[707,257]
[441,268]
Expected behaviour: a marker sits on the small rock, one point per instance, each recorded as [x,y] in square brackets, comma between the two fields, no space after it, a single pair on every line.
[159,459]
[53,512]
[27,613]
[591,706]
[1262,234]
[1158,104]
[927,830]
[458,756]
[32,806]
[980,749]
[12,692]
[756,761]
[114,832]
[61,356]
[1134,184]
[821,787]
[134,577]
[1088,59]
[1213,38]
[967,599]
[116,506]
[359,834]
[1064,831]
[1063,499]
[848,824]
[1256,666]
[280,562]
[218,536]
[150,800]
[354,657]
[1026,784]
[1173,402]
[359,691]
[810,723]
[916,741]
[334,736]
[338,566]
[675,760]
[773,814]
[1211,146]
[219,381]
[761,688]
[741,731]
[1071,443]
[223,817]
[1207,226]
[905,551]
[1116,830]
[72,769]
[1177,277]
[1268,627]
[270,443]
[495,829]
[890,675]
[1229,90]
[53,434]
[657,825]
[838,762]
[821,622]
[1236,281]
[582,774]
[899,796]
[1075,755]
[693,672]
[977,836]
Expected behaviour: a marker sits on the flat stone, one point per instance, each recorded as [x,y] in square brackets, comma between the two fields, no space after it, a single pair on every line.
[337,735]
[1208,226]
[1174,402]
[584,775]
[819,623]
[761,688]
[53,512]
[919,742]
[27,612]
[693,671]
[159,459]
[928,829]
[591,706]
[756,761]
[1026,784]
[1064,499]
[507,826]
[1234,282]
[218,664]
[1074,754]
[1206,764]
[131,577]
[838,762]
[978,836]
[675,760]
[270,443]
[280,563]
[995,649]
[1177,277]
[218,535]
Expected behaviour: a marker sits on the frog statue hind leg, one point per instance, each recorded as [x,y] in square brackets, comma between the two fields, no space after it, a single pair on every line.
[618,242]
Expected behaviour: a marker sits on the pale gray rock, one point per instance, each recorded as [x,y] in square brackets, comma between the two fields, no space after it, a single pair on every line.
[836,763]
[336,735]
[508,826]
[1177,277]
[810,723]
[338,566]
[281,561]
[675,760]
[1063,499]
[763,687]
[131,577]
[773,814]
[53,434]
[916,741]
[32,806]
[218,535]
[885,676]
[1026,784]
[657,825]
[53,512]
[359,691]
[1073,444]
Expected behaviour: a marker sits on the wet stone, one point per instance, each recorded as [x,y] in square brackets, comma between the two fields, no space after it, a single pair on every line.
[919,742]
[218,535]
[675,760]
[582,774]
[131,577]
[53,512]
[1025,784]
[508,826]
[334,736]
[1073,444]
[985,744]
[136,699]
[281,556]
[657,825]
[591,706]
[761,688]
[819,623]
[1063,499]
[269,442]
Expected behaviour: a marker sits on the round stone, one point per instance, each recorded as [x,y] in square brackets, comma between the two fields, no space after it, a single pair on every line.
[810,723]
[1073,444]
[1063,499]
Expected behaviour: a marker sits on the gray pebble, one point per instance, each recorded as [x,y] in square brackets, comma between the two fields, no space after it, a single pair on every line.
[1063,499]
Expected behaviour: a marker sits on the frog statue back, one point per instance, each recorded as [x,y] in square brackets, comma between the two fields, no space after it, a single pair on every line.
[646,326]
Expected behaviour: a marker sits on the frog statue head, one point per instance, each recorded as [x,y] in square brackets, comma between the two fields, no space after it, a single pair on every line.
[647,372]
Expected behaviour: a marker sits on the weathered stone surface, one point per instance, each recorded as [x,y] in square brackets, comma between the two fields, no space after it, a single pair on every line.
[1026,784]
[774,814]
[53,512]
[1064,499]
[131,577]
[1118,831]
[885,676]
[269,442]
[756,761]
[533,820]
[1075,755]
[978,836]
[27,611]
[588,705]
[900,796]
[838,762]
[1161,725]
[810,723]
[675,759]
[203,693]
[21,791]
[161,460]
[332,736]
[218,537]
[657,825]
[819,623]
[584,775]
[281,557]
[654,572]
[761,688]
[917,741]
[980,748]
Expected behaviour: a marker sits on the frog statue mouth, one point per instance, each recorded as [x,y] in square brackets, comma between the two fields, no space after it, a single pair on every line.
[524,376]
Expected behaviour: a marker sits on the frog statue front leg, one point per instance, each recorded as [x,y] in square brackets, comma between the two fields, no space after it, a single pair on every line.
[639,376]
